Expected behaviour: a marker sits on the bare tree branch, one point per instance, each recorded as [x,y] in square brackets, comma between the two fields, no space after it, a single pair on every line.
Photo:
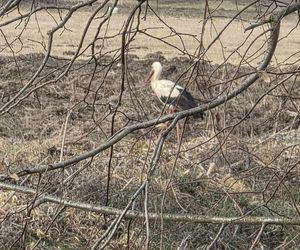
[126,213]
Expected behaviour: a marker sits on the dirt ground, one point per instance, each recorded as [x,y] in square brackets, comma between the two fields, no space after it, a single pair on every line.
[241,158]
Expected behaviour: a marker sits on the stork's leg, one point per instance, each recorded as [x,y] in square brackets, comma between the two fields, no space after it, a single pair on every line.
[162,126]
[178,132]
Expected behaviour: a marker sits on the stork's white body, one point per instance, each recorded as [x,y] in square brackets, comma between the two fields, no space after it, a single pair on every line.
[165,88]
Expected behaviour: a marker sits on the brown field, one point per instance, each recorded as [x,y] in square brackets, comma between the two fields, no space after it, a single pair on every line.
[34,37]
[242,158]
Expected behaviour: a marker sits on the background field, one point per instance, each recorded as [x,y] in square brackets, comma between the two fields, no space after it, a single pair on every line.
[184,18]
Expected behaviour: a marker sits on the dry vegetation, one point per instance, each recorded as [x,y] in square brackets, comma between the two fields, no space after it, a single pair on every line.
[242,159]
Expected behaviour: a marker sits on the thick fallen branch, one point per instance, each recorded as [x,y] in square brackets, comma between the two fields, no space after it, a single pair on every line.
[152,216]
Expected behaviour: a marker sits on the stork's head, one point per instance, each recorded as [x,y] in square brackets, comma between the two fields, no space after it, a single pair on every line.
[155,72]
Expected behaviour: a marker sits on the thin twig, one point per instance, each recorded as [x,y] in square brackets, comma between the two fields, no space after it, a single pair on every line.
[210,246]
[258,236]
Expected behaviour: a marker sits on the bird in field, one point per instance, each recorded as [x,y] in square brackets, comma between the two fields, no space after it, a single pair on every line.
[174,96]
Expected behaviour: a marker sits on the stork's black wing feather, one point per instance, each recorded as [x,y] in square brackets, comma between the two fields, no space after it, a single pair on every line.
[168,100]
[186,101]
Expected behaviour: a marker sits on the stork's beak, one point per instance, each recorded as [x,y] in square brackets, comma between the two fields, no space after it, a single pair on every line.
[148,80]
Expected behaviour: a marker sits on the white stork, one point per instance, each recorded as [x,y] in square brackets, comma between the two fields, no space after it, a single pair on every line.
[171,94]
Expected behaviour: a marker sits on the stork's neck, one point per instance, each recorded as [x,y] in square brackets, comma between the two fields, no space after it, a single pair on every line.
[156,75]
